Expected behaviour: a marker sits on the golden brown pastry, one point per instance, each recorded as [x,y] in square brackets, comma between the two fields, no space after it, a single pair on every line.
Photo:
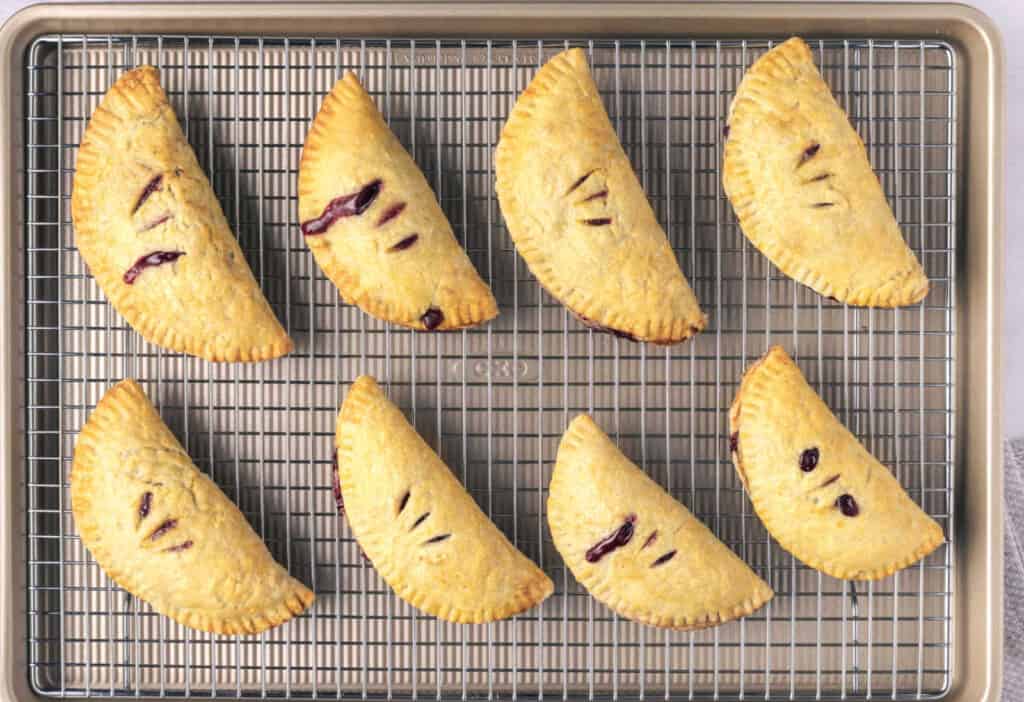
[154,236]
[819,492]
[416,523]
[798,176]
[635,548]
[580,218]
[374,225]
[165,532]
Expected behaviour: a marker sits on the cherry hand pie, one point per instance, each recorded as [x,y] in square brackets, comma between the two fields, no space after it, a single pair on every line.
[374,225]
[165,532]
[155,238]
[819,492]
[634,547]
[580,218]
[416,523]
[798,176]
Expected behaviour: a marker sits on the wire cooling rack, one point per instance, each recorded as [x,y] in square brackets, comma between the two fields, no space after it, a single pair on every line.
[493,401]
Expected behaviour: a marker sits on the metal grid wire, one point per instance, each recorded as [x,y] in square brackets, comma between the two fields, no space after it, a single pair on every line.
[493,401]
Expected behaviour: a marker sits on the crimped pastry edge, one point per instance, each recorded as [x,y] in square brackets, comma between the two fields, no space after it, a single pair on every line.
[649,327]
[905,287]
[119,404]
[140,92]
[471,312]
[579,431]
[775,356]
[363,397]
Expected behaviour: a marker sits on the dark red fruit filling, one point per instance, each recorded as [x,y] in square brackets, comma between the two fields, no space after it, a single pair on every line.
[809,153]
[403,502]
[809,459]
[618,538]
[580,182]
[390,213]
[664,559]
[586,321]
[597,196]
[437,539]
[650,539]
[598,221]
[179,547]
[419,520]
[847,505]
[432,319]
[147,500]
[163,529]
[725,131]
[734,441]
[339,501]
[155,223]
[151,187]
[349,205]
[405,243]
[157,258]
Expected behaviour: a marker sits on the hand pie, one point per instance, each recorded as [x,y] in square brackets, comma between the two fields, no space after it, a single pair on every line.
[374,225]
[820,494]
[153,234]
[578,214]
[798,176]
[634,547]
[416,523]
[165,532]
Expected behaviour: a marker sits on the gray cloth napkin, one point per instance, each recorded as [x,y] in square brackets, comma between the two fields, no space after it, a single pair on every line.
[1013,576]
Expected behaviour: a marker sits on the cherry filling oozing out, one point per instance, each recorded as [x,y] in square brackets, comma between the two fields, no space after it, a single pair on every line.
[847,505]
[734,441]
[350,205]
[163,529]
[183,546]
[336,485]
[151,187]
[156,258]
[155,223]
[432,318]
[809,153]
[390,213]
[598,221]
[144,504]
[404,243]
[588,322]
[618,538]
[809,459]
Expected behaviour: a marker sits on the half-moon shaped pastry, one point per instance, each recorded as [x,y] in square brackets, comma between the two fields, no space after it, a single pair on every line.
[798,176]
[578,214]
[374,225]
[634,547]
[416,523]
[154,236]
[819,492]
[165,532]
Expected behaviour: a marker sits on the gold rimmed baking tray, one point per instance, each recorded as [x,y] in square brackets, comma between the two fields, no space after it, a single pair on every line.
[923,85]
